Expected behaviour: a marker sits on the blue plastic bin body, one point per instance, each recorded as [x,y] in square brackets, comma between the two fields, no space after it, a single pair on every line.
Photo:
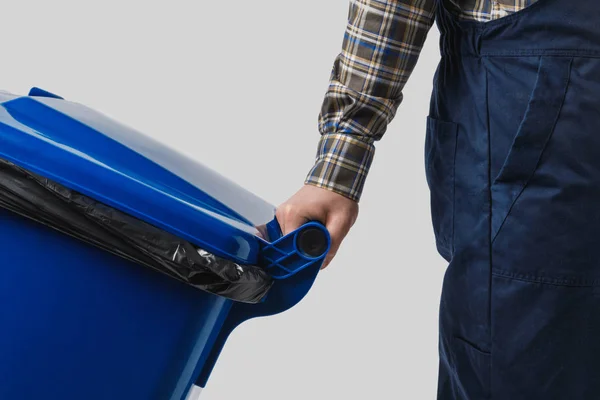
[79,323]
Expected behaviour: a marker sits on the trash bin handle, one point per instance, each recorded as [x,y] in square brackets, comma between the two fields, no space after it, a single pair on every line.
[294,261]
[290,254]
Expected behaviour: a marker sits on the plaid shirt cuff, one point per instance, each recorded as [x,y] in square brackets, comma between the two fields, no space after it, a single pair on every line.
[342,164]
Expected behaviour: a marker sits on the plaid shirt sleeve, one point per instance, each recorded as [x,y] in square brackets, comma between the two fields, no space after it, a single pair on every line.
[382,43]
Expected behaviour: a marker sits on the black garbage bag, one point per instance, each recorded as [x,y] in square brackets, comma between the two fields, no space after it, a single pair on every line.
[72,213]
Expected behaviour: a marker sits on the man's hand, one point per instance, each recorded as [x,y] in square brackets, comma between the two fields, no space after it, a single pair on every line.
[310,203]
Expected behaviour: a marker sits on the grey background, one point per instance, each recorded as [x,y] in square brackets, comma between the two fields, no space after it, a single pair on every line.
[238,86]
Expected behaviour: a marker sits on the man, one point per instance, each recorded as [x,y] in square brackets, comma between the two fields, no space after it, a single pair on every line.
[513,166]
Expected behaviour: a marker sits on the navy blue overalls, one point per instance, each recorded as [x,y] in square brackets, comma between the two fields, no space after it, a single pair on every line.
[513,165]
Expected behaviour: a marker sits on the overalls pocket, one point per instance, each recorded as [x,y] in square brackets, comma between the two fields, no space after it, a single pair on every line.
[440,153]
[545,338]
[531,139]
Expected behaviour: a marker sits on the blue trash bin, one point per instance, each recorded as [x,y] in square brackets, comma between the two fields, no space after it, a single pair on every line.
[78,322]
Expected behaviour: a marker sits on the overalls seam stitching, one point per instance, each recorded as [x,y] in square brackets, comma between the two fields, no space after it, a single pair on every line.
[455,136]
[472,345]
[562,282]
[542,52]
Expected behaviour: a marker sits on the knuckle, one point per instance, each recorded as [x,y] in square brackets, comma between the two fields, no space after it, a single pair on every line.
[284,210]
[292,211]
[279,212]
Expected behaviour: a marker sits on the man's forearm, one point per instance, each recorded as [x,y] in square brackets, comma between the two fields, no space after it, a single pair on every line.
[381,46]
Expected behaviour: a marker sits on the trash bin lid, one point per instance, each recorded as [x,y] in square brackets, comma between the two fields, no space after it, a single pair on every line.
[91,153]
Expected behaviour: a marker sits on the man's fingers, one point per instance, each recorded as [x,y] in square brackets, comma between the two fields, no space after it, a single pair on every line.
[328,259]
[289,219]
[338,227]
[262,231]
[311,203]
